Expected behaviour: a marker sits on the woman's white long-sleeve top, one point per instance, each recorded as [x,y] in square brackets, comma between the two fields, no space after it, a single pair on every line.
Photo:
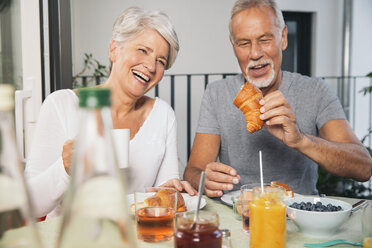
[152,152]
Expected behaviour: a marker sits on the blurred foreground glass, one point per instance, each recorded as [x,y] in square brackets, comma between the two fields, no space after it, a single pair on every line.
[15,206]
[367,226]
[204,234]
[267,218]
[246,195]
[95,205]
[155,211]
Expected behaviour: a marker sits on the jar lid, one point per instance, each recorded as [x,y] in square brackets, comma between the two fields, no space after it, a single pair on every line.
[94,97]
[225,232]
[6,97]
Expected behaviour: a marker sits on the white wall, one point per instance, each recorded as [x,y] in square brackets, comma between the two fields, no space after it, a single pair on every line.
[361,57]
[202,28]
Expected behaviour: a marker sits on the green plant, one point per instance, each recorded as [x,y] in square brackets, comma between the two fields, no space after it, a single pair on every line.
[329,184]
[92,69]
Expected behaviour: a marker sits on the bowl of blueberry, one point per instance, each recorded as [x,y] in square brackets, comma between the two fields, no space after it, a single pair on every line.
[318,216]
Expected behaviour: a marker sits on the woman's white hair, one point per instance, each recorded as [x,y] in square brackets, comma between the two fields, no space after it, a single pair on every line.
[134,20]
[241,5]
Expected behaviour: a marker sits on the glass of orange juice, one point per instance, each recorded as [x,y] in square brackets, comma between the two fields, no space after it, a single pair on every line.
[267,212]
[367,226]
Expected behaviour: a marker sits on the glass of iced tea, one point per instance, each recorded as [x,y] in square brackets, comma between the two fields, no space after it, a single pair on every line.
[155,212]
[245,200]
[204,233]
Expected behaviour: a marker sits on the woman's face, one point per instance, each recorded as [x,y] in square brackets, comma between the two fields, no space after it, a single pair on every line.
[139,63]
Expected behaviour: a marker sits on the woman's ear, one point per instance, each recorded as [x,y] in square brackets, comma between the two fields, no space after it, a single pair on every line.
[113,51]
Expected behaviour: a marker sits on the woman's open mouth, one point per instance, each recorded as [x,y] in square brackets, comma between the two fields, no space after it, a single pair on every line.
[140,76]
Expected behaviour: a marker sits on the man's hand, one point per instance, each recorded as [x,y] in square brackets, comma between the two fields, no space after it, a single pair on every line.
[219,177]
[280,119]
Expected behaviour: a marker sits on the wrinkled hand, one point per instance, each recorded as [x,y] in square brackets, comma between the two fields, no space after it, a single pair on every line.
[180,186]
[280,119]
[67,151]
[219,177]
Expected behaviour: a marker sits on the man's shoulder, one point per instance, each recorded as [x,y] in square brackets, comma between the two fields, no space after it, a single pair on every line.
[296,80]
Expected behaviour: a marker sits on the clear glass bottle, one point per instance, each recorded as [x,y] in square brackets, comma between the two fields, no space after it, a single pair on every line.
[15,206]
[95,205]
[226,238]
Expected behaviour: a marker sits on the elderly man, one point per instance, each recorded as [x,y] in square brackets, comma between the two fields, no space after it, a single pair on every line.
[304,123]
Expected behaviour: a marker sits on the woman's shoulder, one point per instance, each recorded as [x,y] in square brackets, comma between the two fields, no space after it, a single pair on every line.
[62,94]
[62,98]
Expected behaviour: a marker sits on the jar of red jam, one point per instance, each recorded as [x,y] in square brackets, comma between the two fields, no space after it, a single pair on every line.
[204,233]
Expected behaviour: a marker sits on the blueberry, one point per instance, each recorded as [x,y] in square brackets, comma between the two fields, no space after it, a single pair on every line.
[339,208]
[318,204]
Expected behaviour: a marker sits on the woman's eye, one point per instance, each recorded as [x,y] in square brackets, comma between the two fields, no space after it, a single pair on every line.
[162,62]
[142,50]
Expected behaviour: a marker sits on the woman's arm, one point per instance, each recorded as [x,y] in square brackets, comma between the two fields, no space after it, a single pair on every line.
[45,174]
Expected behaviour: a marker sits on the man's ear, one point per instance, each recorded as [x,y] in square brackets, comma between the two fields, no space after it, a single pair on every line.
[284,38]
[113,51]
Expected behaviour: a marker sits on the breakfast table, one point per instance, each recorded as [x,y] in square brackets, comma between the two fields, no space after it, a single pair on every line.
[350,230]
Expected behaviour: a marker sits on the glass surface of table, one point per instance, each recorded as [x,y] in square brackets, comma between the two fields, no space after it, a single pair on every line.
[351,230]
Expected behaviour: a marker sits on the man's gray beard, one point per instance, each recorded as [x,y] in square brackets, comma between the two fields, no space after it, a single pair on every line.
[261,83]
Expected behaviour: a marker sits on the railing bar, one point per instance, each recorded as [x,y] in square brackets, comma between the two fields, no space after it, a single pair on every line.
[172,91]
[206,80]
[369,114]
[188,116]
[157,90]
[354,102]
[84,81]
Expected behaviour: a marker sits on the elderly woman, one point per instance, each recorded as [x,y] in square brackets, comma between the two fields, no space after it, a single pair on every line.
[143,45]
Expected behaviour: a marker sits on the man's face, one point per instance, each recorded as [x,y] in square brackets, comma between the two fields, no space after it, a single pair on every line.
[258,44]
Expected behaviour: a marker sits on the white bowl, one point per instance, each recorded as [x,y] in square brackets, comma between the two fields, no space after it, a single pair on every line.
[318,224]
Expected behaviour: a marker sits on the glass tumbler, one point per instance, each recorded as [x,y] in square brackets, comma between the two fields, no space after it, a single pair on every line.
[367,226]
[246,196]
[155,211]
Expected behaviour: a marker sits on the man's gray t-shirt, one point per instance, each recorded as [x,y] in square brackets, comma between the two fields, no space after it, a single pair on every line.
[314,104]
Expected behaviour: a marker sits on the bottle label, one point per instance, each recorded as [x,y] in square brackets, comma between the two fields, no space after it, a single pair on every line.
[100,197]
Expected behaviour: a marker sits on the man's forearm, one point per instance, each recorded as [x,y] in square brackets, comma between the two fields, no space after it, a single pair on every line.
[192,175]
[341,159]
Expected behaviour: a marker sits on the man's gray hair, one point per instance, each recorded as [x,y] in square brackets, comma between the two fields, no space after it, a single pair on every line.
[241,5]
[134,20]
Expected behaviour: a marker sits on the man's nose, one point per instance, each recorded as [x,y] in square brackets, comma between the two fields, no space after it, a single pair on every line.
[256,51]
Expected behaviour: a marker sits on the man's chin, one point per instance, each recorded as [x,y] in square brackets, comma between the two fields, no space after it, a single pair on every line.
[260,84]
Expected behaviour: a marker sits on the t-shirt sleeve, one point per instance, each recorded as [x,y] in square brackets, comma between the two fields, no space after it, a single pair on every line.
[329,107]
[208,116]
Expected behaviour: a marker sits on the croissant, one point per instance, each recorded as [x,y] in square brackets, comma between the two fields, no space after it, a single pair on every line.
[247,101]
[162,197]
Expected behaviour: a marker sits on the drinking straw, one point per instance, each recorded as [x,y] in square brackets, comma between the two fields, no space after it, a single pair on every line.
[261,173]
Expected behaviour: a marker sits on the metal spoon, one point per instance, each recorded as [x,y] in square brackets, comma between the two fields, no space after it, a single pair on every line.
[333,242]
[200,194]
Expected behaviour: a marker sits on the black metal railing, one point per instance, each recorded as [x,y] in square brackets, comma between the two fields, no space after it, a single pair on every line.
[348,90]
